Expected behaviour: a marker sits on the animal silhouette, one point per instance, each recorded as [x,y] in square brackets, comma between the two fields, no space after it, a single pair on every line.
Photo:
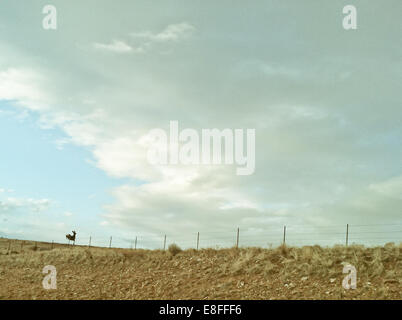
[71,237]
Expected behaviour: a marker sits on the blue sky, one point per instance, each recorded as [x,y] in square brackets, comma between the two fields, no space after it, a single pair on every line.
[59,171]
[35,165]
[78,102]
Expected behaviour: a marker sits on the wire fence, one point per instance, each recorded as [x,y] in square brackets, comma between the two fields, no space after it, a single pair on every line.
[296,235]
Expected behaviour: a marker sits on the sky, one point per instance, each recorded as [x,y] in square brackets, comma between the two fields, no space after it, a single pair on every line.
[76,103]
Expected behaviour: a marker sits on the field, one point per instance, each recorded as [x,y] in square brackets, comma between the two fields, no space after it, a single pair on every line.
[310,272]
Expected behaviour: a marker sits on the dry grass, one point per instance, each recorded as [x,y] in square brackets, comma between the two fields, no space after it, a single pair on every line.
[174,249]
[309,272]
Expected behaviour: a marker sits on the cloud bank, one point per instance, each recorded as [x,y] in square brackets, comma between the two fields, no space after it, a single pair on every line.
[325,105]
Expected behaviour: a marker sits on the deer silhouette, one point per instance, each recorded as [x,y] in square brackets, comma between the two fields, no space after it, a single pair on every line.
[71,237]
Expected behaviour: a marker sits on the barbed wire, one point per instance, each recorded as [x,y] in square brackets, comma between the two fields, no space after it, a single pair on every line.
[239,237]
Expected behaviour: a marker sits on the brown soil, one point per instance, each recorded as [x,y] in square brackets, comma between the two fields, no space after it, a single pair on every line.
[252,273]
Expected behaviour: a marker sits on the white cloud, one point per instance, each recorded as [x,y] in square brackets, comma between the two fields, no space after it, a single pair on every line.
[30,205]
[173,32]
[117,46]
[311,105]
[389,188]
[21,85]
[3,190]
[180,204]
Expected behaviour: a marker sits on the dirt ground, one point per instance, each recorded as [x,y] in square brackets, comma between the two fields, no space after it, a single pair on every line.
[310,272]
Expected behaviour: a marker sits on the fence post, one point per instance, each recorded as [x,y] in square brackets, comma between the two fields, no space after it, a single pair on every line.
[135,244]
[198,240]
[9,246]
[164,244]
[347,234]
[51,248]
[284,235]
[110,243]
[22,243]
[237,239]
[90,239]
